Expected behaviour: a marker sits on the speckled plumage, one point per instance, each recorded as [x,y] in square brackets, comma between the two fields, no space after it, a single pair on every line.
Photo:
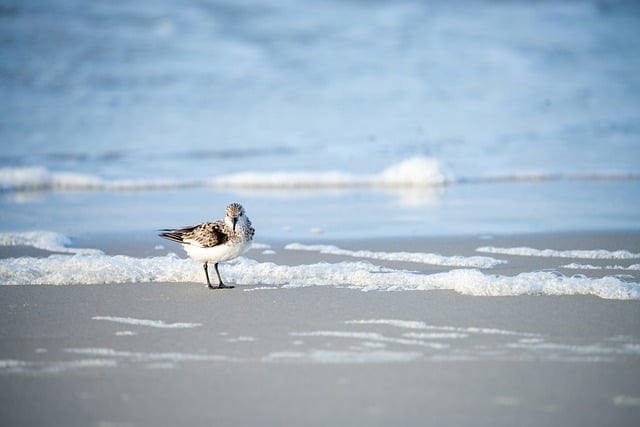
[215,241]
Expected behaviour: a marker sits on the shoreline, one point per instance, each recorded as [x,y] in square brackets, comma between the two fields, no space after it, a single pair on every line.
[606,264]
[163,353]
[596,255]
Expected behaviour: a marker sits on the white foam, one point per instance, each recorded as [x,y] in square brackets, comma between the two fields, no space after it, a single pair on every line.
[139,356]
[418,324]
[371,336]
[415,257]
[551,253]
[344,357]
[242,338]
[288,180]
[41,179]
[144,322]
[126,333]
[434,335]
[46,240]
[591,349]
[101,268]
[367,277]
[262,288]
[413,172]
[11,366]
[95,269]
[626,401]
[407,324]
[578,266]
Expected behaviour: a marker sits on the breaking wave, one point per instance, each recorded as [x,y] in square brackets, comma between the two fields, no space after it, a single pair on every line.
[415,172]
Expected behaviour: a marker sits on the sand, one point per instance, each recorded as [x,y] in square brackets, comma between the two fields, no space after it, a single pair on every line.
[166,354]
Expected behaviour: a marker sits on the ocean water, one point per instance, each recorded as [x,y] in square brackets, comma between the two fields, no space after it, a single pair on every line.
[326,119]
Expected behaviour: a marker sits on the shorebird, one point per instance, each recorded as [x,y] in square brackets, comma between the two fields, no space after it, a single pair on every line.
[215,241]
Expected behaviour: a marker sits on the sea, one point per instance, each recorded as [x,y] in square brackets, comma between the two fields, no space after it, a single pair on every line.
[325,119]
[329,121]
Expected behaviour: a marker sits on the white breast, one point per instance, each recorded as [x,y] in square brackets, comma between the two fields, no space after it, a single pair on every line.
[221,253]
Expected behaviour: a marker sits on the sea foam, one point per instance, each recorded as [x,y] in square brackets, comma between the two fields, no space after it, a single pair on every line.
[420,325]
[416,257]
[146,322]
[45,240]
[101,268]
[412,172]
[551,253]
[578,266]
[90,266]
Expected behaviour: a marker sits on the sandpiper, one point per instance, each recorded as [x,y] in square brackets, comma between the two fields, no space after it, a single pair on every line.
[215,241]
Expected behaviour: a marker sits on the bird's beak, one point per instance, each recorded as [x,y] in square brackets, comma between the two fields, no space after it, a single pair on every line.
[235,221]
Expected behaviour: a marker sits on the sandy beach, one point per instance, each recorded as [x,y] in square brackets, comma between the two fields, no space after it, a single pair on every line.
[135,354]
[446,204]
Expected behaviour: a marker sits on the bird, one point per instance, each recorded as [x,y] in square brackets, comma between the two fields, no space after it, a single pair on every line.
[215,241]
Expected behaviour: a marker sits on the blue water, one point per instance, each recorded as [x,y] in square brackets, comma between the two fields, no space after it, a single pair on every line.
[184,92]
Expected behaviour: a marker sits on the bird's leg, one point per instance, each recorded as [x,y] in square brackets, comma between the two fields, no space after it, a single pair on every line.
[220,285]
[206,274]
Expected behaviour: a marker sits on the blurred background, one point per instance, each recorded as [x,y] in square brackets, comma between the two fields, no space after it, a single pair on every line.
[325,119]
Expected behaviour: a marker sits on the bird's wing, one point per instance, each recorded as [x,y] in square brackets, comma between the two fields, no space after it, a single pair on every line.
[205,235]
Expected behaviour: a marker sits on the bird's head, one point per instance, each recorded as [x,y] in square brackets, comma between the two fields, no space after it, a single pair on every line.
[235,211]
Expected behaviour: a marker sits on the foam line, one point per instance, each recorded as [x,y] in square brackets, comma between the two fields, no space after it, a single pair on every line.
[144,322]
[551,253]
[364,276]
[415,257]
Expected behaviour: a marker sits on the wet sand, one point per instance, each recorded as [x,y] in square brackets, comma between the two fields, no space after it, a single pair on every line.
[177,353]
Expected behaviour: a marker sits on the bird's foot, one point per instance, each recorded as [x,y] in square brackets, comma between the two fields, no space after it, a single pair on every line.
[221,286]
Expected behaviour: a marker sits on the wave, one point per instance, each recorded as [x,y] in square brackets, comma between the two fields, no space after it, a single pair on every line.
[45,240]
[364,276]
[37,178]
[415,172]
